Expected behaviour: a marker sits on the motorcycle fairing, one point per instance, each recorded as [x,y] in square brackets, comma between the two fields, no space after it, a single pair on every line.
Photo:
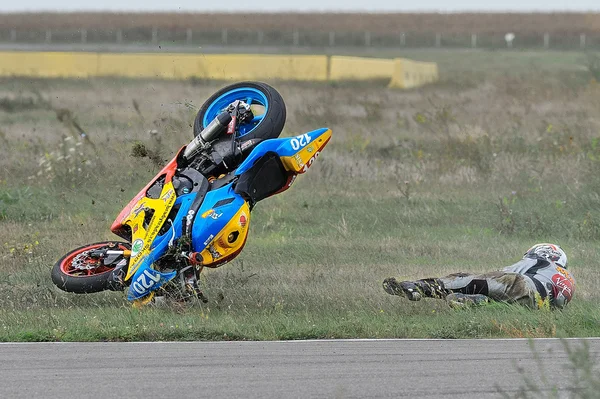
[229,241]
[146,280]
[142,233]
[222,213]
[168,172]
[220,227]
[296,153]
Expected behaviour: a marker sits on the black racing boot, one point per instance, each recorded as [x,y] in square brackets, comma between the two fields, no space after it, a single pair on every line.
[406,289]
[415,290]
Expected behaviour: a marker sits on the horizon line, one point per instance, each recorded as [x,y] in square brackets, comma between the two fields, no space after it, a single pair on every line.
[295,11]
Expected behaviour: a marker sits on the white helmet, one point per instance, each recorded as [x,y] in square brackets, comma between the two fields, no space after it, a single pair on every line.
[550,252]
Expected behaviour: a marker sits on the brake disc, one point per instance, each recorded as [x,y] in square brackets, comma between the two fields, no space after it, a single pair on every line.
[84,262]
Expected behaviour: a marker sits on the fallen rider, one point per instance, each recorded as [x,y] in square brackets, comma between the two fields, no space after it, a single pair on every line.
[540,279]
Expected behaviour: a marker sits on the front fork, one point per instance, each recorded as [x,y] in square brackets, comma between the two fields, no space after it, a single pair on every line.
[188,281]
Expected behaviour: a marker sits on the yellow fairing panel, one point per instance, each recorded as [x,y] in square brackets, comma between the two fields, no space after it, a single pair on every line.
[229,241]
[144,234]
[301,160]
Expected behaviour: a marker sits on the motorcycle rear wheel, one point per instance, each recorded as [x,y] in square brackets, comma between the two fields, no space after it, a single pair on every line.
[88,275]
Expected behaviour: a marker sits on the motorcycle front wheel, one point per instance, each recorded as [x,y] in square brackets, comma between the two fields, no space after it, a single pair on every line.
[265,102]
[81,273]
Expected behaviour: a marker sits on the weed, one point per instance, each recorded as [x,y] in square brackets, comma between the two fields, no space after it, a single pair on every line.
[593,65]
[372,110]
[440,119]
[22,102]
[470,151]
[405,189]
[140,150]
[583,383]
[507,219]
[69,163]
[589,227]
[70,122]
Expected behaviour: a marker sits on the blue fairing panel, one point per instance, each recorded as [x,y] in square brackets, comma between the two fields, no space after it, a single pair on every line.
[146,279]
[284,147]
[162,241]
[218,208]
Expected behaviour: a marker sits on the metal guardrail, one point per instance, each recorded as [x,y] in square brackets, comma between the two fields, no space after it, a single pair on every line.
[297,38]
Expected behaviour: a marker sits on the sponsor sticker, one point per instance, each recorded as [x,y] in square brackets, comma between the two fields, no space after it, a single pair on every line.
[136,247]
[190,215]
[298,160]
[211,213]
[136,211]
[562,285]
[167,195]
[564,272]
[292,180]
[209,239]
[310,161]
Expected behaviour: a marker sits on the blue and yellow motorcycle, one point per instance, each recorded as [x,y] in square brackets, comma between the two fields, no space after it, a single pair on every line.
[195,212]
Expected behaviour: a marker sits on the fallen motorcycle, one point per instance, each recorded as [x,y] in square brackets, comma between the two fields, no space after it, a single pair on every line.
[195,212]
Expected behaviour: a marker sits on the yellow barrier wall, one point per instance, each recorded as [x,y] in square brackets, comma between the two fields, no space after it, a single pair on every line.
[285,67]
[402,72]
[47,64]
[408,74]
[166,66]
[350,68]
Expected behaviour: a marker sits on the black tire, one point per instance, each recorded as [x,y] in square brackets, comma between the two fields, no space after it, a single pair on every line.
[273,121]
[84,284]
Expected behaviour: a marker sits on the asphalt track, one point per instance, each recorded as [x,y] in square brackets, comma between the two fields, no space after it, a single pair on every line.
[284,369]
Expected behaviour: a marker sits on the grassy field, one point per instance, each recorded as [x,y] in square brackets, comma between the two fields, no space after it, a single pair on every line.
[463,175]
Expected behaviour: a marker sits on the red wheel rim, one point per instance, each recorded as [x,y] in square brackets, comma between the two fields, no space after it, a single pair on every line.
[66,266]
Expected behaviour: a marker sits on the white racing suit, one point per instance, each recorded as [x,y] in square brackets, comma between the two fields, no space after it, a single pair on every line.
[532,282]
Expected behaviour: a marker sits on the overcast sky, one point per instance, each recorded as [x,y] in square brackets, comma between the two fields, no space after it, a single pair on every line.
[302,5]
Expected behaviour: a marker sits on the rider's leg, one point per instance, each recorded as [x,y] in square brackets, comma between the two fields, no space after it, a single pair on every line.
[498,286]
[415,290]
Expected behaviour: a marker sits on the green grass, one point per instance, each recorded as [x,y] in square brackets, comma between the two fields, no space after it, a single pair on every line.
[275,322]
[452,177]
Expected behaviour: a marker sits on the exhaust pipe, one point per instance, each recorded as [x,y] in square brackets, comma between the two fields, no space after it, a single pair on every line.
[212,131]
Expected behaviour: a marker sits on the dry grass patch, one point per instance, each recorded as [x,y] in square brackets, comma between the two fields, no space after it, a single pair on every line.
[413,184]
